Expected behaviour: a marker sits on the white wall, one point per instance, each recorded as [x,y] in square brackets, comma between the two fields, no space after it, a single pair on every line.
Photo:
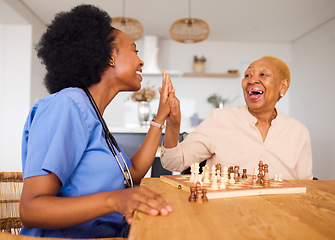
[37,89]
[16,71]
[312,94]
[15,92]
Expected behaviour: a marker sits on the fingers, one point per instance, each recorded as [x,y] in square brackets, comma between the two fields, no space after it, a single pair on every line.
[144,200]
[167,83]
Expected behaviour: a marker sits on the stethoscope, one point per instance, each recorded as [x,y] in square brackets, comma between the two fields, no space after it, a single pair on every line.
[111,142]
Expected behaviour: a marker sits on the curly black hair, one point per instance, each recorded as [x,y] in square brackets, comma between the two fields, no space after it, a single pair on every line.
[76,48]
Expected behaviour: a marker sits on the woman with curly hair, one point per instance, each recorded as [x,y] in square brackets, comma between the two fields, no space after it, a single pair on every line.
[75,173]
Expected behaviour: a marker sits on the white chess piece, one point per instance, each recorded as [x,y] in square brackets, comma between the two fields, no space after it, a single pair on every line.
[192,173]
[222,184]
[256,171]
[225,174]
[275,177]
[231,180]
[214,185]
[206,178]
[213,172]
[279,177]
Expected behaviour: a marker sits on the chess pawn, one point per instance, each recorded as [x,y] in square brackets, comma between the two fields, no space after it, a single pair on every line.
[196,178]
[244,175]
[255,171]
[279,177]
[199,198]
[192,173]
[204,195]
[193,194]
[275,177]
[213,172]
[266,180]
[206,178]
[225,174]
[222,184]
[232,180]
[254,181]
[214,185]
[225,178]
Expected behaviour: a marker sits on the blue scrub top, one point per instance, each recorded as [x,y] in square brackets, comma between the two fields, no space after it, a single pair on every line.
[63,135]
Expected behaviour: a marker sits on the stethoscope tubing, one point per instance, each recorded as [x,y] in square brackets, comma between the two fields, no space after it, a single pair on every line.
[111,142]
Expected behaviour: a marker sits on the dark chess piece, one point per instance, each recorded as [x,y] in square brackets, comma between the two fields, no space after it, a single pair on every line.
[192,197]
[204,195]
[198,195]
[244,175]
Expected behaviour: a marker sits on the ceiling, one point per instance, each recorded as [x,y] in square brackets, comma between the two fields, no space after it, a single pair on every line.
[229,20]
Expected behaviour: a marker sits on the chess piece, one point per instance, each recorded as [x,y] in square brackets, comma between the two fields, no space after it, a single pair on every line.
[244,175]
[254,181]
[232,180]
[214,185]
[260,170]
[193,194]
[259,179]
[275,177]
[236,174]
[230,170]
[196,172]
[222,183]
[213,172]
[198,195]
[204,195]
[255,171]
[218,173]
[266,178]
[206,178]
[192,173]
[218,167]
[279,177]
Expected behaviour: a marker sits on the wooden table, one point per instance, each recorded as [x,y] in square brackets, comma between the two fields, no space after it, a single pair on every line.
[8,236]
[308,215]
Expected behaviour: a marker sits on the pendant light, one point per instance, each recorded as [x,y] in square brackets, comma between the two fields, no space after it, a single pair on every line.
[130,26]
[189,30]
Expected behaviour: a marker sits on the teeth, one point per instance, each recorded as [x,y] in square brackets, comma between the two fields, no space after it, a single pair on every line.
[139,73]
[255,92]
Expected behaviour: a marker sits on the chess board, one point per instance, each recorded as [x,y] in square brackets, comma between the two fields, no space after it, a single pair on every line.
[238,189]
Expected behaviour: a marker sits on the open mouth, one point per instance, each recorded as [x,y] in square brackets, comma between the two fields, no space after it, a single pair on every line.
[255,94]
[139,73]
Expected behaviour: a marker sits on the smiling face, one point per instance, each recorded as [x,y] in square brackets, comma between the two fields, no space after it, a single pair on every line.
[127,65]
[262,86]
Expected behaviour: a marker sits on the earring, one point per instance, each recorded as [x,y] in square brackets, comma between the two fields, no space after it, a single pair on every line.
[112,63]
[282,95]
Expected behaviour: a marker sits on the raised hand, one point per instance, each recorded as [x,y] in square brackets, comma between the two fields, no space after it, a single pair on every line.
[167,97]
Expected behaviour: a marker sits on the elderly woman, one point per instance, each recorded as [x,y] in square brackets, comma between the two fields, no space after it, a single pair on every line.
[244,135]
[75,173]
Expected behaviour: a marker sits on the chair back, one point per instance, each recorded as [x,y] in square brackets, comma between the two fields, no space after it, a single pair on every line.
[11,184]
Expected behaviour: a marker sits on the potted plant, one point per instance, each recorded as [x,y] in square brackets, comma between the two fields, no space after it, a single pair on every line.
[199,64]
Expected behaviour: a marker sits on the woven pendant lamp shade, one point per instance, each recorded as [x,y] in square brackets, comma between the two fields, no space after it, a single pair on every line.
[128,25]
[189,30]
